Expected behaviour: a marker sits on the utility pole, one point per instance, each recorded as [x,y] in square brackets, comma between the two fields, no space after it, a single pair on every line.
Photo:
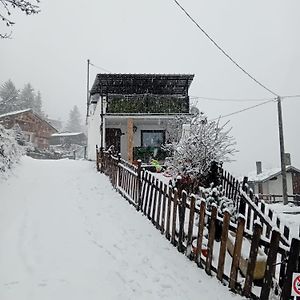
[282,153]
[88,89]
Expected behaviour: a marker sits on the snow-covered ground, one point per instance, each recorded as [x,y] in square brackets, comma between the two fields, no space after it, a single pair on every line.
[65,234]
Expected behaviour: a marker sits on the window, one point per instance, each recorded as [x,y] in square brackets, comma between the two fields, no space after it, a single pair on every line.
[152,138]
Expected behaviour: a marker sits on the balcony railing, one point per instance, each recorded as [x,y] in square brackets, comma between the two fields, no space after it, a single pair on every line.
[147,104]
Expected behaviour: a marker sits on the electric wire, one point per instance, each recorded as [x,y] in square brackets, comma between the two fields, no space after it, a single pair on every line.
[242,110]
[223,51]
[100,68]
[228,99]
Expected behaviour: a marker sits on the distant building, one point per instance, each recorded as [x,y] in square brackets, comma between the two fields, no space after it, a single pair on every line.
[270,181]
[55,123]
[69,138]
[35,129]
[136,109]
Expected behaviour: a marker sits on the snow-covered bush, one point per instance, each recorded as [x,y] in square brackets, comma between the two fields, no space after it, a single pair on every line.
[215,195]
[12,147]
[202,142]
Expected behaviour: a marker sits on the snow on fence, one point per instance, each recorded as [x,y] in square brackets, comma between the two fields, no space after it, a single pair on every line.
[251,257]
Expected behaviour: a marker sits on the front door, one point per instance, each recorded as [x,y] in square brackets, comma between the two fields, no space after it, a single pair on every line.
[113,137]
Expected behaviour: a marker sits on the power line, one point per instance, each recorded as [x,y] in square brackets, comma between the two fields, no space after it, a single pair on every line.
[229,99]
[223,51]
[242,110]
[100,68]
[290,96]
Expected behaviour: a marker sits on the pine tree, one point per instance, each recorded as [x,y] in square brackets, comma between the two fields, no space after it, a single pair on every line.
[8,97]
[74,122]
[26,98]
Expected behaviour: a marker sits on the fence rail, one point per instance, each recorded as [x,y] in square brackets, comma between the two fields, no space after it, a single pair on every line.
[259,256]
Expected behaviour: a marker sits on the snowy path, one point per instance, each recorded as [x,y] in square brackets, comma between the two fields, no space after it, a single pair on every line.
[65,234]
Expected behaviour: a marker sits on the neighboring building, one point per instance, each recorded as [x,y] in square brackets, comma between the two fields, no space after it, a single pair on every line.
[134,110]
[35,129]
[55,123]
[270,181]
[69,138]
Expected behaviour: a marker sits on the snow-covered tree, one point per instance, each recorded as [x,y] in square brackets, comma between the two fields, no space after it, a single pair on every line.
[37,104]
[6,6]
[10,149]
[74,122]
[27,97]
[201,143]
[8,97]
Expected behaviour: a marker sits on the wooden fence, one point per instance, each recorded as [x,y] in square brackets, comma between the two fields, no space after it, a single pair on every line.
[185,221]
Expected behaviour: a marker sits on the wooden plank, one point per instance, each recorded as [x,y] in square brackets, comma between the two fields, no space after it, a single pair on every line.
[188,251]
[164,203]
[292,266]
[154,202]
[269,228]
[236,253]
[150,197]
[181,211]
[223,246]
[211,238]
[200,234]
[170,195]
[286,232]
[144,184]
[257,230]
[159,200]
[174,213]
[270,266]
[147,195]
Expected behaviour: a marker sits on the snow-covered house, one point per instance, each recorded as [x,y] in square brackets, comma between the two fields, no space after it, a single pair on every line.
[35,129]
[78,138]
[269,181]
[134,110]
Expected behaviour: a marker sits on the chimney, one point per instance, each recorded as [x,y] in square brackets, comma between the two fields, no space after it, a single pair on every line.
[258,167]
[287,158]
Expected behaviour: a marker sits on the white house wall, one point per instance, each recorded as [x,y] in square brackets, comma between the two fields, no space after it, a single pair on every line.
[93,131]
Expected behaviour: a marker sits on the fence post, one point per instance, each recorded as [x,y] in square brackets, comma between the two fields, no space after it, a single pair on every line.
[252,259]
[139,185]
[292,266]
[181,212]
[97,158]
[101,159]
[211,237]
[119,171]
[270,267]
[222,253]
[237,252]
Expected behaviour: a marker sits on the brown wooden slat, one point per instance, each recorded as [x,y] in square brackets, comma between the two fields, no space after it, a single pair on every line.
[174,213]
[200,234]
[159,200]
[211,238]
[257,230]
[164,204]
[181,211]
[270,266]
[236,253]
[154,202]
[191,226]
[150,197]
[223,246]
[169,207]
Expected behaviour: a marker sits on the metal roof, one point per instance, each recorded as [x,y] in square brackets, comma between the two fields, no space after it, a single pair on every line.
[130,84]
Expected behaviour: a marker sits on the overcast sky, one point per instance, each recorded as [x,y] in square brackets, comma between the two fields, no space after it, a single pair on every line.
[50,50]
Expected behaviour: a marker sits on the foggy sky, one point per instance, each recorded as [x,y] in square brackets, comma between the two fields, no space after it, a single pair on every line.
[50,50]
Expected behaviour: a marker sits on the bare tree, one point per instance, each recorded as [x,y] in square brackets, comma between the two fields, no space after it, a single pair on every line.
[6,7]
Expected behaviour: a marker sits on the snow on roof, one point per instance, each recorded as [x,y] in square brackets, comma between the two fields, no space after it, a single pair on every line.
[12,113]
[268,174]
[61,134]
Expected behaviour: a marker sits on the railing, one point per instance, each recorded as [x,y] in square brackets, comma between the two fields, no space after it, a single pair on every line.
[187,224]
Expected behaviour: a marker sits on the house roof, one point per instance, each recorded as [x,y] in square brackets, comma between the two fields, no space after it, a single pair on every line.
[64,134]
[130,84]
[268,174]
[18,112]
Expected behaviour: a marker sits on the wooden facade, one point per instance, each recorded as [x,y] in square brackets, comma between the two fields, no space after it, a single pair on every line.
[35,129]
